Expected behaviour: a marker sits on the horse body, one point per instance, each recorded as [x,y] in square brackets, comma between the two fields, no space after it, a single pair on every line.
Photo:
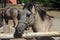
[42,22]
[11,13]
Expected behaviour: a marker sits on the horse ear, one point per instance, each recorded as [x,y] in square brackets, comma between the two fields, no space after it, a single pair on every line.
[33,10]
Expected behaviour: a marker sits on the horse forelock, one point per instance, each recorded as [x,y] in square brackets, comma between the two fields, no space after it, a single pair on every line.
[28,6]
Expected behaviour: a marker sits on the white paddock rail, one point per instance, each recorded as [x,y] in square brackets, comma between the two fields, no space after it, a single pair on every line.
[31,35]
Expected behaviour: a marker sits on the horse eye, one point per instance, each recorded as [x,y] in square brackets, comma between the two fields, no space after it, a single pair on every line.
[28,15]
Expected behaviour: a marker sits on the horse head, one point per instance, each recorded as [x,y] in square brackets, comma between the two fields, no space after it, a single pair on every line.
[26,20]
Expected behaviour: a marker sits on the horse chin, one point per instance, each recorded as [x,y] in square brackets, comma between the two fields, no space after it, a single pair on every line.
[17,35]
[19,30]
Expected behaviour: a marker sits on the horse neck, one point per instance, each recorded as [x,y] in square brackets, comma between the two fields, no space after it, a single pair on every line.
[41,25]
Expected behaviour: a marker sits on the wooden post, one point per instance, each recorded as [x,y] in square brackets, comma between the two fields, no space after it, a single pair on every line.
[32,35]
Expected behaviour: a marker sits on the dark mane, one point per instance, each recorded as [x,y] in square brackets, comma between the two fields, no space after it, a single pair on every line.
[41,12]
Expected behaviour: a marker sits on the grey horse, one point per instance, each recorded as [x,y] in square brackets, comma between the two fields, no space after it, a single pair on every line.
[11,13]
[35,17]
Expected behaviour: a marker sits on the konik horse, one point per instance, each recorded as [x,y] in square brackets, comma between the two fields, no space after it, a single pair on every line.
[32,15]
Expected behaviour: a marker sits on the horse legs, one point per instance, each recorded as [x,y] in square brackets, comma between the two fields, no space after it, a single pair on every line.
[14,22]
[6,20]
[1,20]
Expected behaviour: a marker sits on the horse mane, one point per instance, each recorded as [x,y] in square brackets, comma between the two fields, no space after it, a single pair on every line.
[42,13]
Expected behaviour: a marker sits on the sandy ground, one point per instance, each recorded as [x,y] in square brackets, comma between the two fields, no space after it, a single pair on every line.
[55,25]
[55,22]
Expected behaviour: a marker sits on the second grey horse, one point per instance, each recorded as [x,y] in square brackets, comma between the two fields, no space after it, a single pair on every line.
[11,13]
